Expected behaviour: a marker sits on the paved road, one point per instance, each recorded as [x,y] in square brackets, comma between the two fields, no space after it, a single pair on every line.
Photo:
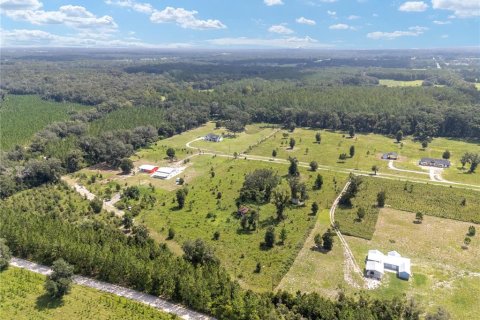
[141,297]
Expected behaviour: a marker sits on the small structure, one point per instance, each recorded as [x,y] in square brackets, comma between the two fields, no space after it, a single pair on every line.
[147,168]
[213,137]
[439,163]
[166,172]
[242,211]
[377,263]
[390,156]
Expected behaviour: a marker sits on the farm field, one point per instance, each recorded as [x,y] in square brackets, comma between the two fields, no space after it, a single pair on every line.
[22,296]
[238,250]
[433,201]
[31,114]
[368,150]
[443,273]
[396,83]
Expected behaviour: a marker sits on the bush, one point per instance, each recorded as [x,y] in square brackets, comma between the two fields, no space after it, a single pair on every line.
[216,235]
[270,237]
[381,197]
[5,254]
[96,205]
[60,281]
[258,268]
[171,233]
[126,165]
[328,240]
[471,231]
[198,252]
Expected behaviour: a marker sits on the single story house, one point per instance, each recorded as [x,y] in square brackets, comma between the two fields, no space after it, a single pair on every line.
[166,172]
[390,156]
[148,168]
[439,163]
[213,137]
[377,263]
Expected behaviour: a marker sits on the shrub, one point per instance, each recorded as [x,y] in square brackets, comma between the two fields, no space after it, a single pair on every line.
[59,282]
[171,234]
[270,237]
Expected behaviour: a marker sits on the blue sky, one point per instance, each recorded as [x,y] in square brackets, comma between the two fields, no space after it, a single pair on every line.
[336,24]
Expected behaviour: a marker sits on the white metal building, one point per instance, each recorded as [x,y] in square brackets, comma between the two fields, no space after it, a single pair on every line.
[166,172]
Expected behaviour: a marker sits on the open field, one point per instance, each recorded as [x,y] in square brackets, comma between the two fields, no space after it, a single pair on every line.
[368,150]
[443,273]
[396,83]
[22,296]
[432,200]
[238,250]
[22,116]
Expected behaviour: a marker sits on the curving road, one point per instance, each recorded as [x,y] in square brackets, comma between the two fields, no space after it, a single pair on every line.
[138,296]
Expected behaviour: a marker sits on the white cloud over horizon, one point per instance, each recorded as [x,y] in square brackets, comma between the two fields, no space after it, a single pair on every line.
[460,8]
[413,6]
[411,32]
[273,2]
[185,19]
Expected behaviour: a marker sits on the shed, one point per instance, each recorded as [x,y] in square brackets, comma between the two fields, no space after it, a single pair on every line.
[390,156]
[243,210]
[148,168]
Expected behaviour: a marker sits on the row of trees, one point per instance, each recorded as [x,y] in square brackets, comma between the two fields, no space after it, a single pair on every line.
[196,280]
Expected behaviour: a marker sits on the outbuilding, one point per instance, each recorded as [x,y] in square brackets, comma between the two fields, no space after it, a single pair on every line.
[439,163]
[390,156]
[148,168]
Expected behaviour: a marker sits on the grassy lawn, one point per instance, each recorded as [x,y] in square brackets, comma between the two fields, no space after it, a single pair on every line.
[21,116]
[444,274]
[22,296]
[241,142]
[239,251]
[368,150]
[314,270]
[396,83]
[432,200]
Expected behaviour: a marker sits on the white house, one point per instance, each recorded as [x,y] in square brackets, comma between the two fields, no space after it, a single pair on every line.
[392,261]
[213,137]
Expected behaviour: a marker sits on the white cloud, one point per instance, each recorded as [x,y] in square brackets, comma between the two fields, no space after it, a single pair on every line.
[281,29]
[444,36]
[331,13]
[441,22]
[353,17]
[412,32]
[137,6]
[289,42]
[273,2]
[77,17]
[461,8]
[340,26]
[185,18]
[413,6]
[20,5]
[303,20]
[29,38]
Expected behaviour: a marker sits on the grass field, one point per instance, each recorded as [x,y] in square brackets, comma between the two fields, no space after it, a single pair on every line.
[432,200]
[22,116]
[444,274]
[22,296]
[368,150]
[395,83]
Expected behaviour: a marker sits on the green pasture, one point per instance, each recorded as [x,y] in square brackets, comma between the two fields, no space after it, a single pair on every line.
[368,151]
[238,250]
[22,296]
